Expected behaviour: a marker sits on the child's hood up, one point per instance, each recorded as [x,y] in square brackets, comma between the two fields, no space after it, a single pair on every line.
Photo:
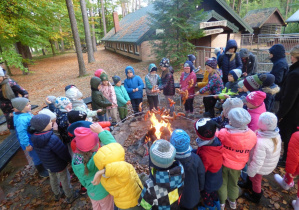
[129,68]
[95,82]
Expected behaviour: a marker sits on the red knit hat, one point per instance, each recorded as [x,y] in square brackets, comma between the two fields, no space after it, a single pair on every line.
[86,140]
[99,72]
[256,98]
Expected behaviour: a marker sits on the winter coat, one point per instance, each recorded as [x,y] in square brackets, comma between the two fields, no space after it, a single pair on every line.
[133,83]
[292,163]
[185,83]
[167,84]
[150,82]
[215,85]
[237,147]
[109,93]
[120,179]
[95,192]
[204,81]
[22,123]
[231,89]
[224,62]
[221,121]
[98,101]
[122,96]
[194,180]
[255,115]
[211,156]
[79,105]
[250,65]
[264,159]
[163,189]
[270,91]
[280,65]
[63,124]
[51,151]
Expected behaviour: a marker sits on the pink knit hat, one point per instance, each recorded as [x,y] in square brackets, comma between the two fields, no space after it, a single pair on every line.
[256,98]
[86,140]
[99,72]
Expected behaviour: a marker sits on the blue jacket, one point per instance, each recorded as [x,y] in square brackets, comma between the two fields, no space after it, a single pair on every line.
[224,62]
[50,149]
[133,83]
[280,65]
[22,123]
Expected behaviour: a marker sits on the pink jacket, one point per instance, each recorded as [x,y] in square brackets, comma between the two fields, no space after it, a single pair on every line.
[255,114]
[185,86]
[237,147]
[109,93]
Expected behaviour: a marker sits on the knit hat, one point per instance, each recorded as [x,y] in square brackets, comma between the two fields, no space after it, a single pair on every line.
[217,50]
[74,116]
[48,112]
[189,64]
[40,121]
[241,84]
[62,102]
[181,142]
[252,83]
[236,73]
[267,79]
[206,128]
[256,98]
[162,153]
[73,126]
[152,67]
[238,118]
[267,121]
[191,57]
[1,72]
[244,53]
[212,62]
[231,103]
[68,87]
[52,99]
[99,72]
[73,93]
[19,103]
[104,77]
[116,79]
[85,139]
[164,62]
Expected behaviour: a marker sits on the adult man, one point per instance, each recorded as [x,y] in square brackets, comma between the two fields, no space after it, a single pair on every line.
[249,62]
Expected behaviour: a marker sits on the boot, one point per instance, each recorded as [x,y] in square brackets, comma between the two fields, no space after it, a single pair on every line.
[245,184]
[253,197]
[42,171]
[281,182]
[295,204]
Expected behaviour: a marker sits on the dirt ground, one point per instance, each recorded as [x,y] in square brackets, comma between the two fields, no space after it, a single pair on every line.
[23,189]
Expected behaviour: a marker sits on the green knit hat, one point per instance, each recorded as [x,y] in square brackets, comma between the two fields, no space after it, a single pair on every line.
[104,77]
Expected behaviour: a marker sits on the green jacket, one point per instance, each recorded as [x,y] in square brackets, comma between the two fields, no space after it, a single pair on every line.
[121,95]
[106,138]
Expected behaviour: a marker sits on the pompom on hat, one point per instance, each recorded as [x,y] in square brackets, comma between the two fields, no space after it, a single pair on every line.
[162,154]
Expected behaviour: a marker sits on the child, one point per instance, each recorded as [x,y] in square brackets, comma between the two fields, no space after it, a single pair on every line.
[252,83]
[291,168]
[265,156]
[50,101]
[192,59]
[231,87]
[152,82]
[134,87]
[122,97]
[98,101]
[165,186]
[167,83]
[53,119]
[214,86]
[87,143]
[108,91]
[237,141]
[210,151]
[242,91]
[255,106]
[187,82]
[54,155]
[21,119]
[193,167]
[119,178]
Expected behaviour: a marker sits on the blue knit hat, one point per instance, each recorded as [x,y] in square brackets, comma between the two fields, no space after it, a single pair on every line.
[236,73]
[116,79]
[191,57]
[162,153]
[181,142]
[40,121]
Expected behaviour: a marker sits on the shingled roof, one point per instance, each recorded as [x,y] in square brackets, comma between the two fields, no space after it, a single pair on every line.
[257,18]
[294,18]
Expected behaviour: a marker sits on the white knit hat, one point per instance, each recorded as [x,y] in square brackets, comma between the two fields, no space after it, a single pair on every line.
[48,112]
[238,118]
[73,93]
[231,103]
[267,121]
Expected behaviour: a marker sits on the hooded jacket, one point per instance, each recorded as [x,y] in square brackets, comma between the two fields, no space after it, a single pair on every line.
[51,151]
[270,91]
[21,124]
[255,115]
[122,96]
[151,81]
[164,188]
[249,62]
[292,163]
[185,83]
[98,101]
[280,65]
[133,83]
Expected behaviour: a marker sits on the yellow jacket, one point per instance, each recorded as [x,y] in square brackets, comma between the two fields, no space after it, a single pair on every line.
[120,179]
[204,81]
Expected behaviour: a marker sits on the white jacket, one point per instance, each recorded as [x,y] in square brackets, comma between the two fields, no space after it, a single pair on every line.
[264,160]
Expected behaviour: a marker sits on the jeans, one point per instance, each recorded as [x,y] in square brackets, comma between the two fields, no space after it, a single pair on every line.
[103,117]
[65,179]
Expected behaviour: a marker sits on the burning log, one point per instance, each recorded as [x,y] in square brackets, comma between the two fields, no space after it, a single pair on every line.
[165,133]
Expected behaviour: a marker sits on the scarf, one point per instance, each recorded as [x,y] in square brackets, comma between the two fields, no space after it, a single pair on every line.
[268,134]
[201,142]
[9,94]
[185,75]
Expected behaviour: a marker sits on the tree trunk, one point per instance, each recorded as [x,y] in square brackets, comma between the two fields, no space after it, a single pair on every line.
[22,52]
[44,52]
[61,41]
[73,21]
[287,7]
[8,72]
[28,52]
[87,32]
[52,47]
[93,37]
[239,7]
[103,17]
[234,1]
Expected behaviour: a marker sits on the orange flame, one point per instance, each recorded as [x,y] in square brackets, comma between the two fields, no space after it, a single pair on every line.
[158,125]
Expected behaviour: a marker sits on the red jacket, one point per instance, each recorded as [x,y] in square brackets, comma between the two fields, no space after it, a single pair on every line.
[292,163]
[237,147]
[185,83]
[211,157]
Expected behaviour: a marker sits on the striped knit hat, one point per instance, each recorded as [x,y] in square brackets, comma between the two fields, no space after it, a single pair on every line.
[252,83]
[162,154]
